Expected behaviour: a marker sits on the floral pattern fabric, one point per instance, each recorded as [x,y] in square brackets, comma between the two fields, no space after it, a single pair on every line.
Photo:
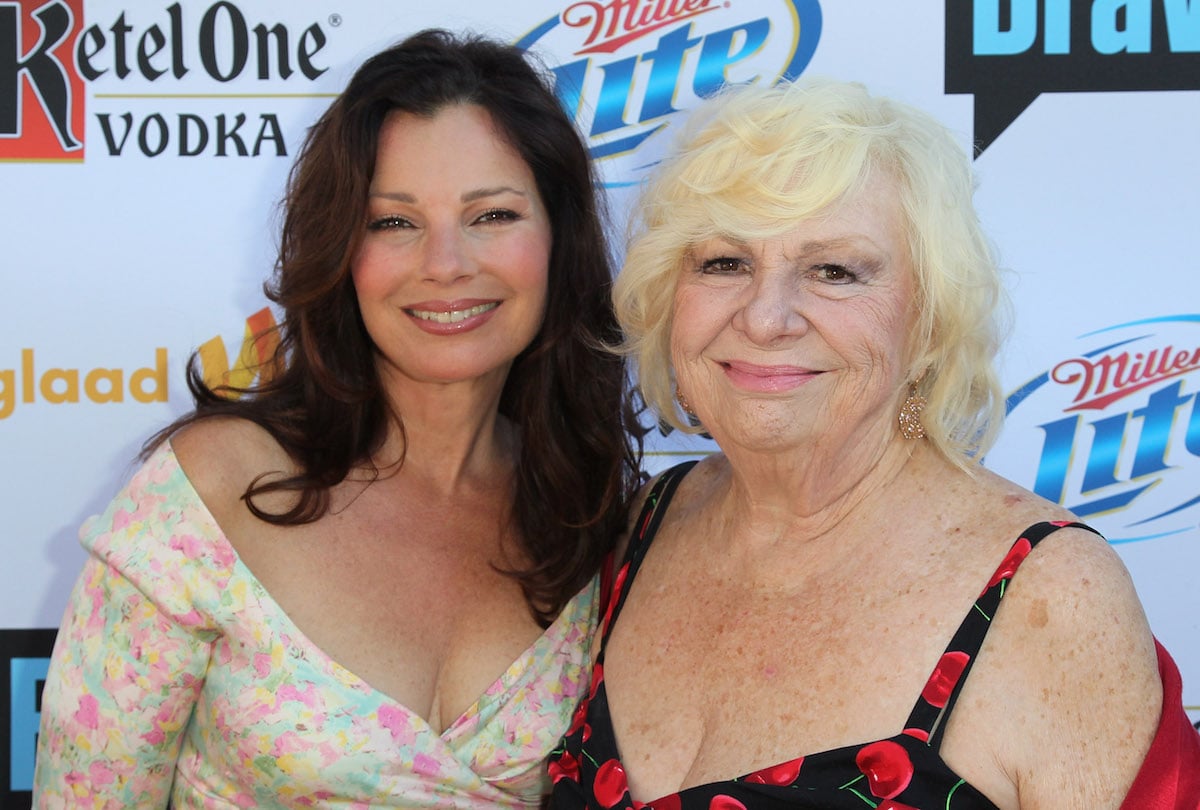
[177,679]
[904,772]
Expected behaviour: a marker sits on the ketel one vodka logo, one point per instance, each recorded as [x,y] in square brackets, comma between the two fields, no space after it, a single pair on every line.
[41,89]
[1113,432]
[626,68]
[148,63]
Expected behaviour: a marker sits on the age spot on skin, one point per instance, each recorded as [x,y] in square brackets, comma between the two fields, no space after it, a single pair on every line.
[1039,616]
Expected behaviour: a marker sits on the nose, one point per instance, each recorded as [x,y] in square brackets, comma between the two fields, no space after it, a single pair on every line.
[771,308]
[446,257]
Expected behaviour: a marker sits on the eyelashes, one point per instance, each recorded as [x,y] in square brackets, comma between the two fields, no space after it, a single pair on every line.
[722,265]
[388,223]
[829,272]
[488,217]
[835,273]
[498,215]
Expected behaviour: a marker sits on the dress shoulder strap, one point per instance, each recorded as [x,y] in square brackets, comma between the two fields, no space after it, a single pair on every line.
[648,520]
[933,707]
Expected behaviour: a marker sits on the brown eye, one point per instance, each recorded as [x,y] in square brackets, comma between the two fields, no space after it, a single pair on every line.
[498,215]
[387,223]
[835,273]
[722,265]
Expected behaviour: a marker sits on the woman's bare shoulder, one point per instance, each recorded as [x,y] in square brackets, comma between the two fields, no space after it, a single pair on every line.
[221,456]
[1074,631]
[1074,584]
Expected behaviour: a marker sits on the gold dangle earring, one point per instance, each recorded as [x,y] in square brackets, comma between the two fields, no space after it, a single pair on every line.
[683,403]
[910,414]
[690,413]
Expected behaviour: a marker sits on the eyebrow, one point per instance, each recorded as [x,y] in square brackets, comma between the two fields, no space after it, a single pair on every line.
[810,245]
[470,196]
[850,241]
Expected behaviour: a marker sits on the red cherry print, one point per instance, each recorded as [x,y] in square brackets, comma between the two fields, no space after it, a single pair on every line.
[615,594]
[723,802]
[565,768]
[918,733]
[1008,567]
[597,679]
[666,803]
[886,766]
[888,804]
[945,675]
[645,524]
[783,774]
[610,784]
[579,719]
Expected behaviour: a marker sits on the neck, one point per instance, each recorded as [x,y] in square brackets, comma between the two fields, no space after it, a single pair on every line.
[811,492]
[453,436]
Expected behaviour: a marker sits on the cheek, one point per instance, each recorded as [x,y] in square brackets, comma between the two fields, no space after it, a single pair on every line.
[370,272]
[526,262]
[695,319]
[883,344]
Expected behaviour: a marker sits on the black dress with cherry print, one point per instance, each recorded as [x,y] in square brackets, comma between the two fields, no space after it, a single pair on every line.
[899,773]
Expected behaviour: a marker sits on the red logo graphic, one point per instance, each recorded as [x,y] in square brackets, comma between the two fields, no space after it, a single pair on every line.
[616,23]
[41,91]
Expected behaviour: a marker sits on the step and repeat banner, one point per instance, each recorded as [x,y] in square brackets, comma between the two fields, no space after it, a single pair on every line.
[144,147]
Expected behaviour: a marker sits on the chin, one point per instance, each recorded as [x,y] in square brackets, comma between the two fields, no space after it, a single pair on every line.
[761,439]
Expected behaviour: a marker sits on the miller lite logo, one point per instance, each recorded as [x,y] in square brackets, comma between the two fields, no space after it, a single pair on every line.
[626,68]
[1112,431]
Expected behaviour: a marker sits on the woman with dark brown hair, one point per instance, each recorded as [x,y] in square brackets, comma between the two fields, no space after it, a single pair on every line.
[369,579]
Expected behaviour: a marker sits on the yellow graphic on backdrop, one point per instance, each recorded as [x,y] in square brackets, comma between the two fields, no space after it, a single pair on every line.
[256,358]
[31,383]
[72,385]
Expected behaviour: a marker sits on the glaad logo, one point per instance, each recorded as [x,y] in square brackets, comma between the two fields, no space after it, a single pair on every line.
[256,358]
[48,57]
[1008,52]
[626,67]
[31,384]
[58,386]
[1115,430]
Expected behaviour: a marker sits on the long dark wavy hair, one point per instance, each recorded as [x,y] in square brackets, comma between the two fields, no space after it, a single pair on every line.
[321,397]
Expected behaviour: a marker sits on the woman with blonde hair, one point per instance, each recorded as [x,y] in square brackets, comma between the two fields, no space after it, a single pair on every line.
[842,608]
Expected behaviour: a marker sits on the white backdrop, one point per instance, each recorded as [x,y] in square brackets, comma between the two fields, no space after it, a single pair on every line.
[130,239]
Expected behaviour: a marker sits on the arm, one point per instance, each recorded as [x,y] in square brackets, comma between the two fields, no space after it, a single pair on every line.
[128,663]
[1093,696]
[1170,775]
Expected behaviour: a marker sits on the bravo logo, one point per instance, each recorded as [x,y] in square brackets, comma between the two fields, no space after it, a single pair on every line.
[1113,432]
[171,58]
[1008,52]
[626,68]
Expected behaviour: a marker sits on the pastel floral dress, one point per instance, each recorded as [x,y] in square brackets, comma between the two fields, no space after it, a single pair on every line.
[176,678]
[900,773]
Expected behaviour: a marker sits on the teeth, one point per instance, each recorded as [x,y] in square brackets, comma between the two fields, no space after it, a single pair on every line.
[454,316]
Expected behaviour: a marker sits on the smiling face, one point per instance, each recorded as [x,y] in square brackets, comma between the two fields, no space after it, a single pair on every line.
[451,276]
[801,338]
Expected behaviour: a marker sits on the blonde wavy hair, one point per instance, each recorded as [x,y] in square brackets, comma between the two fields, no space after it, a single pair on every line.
[752,161]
